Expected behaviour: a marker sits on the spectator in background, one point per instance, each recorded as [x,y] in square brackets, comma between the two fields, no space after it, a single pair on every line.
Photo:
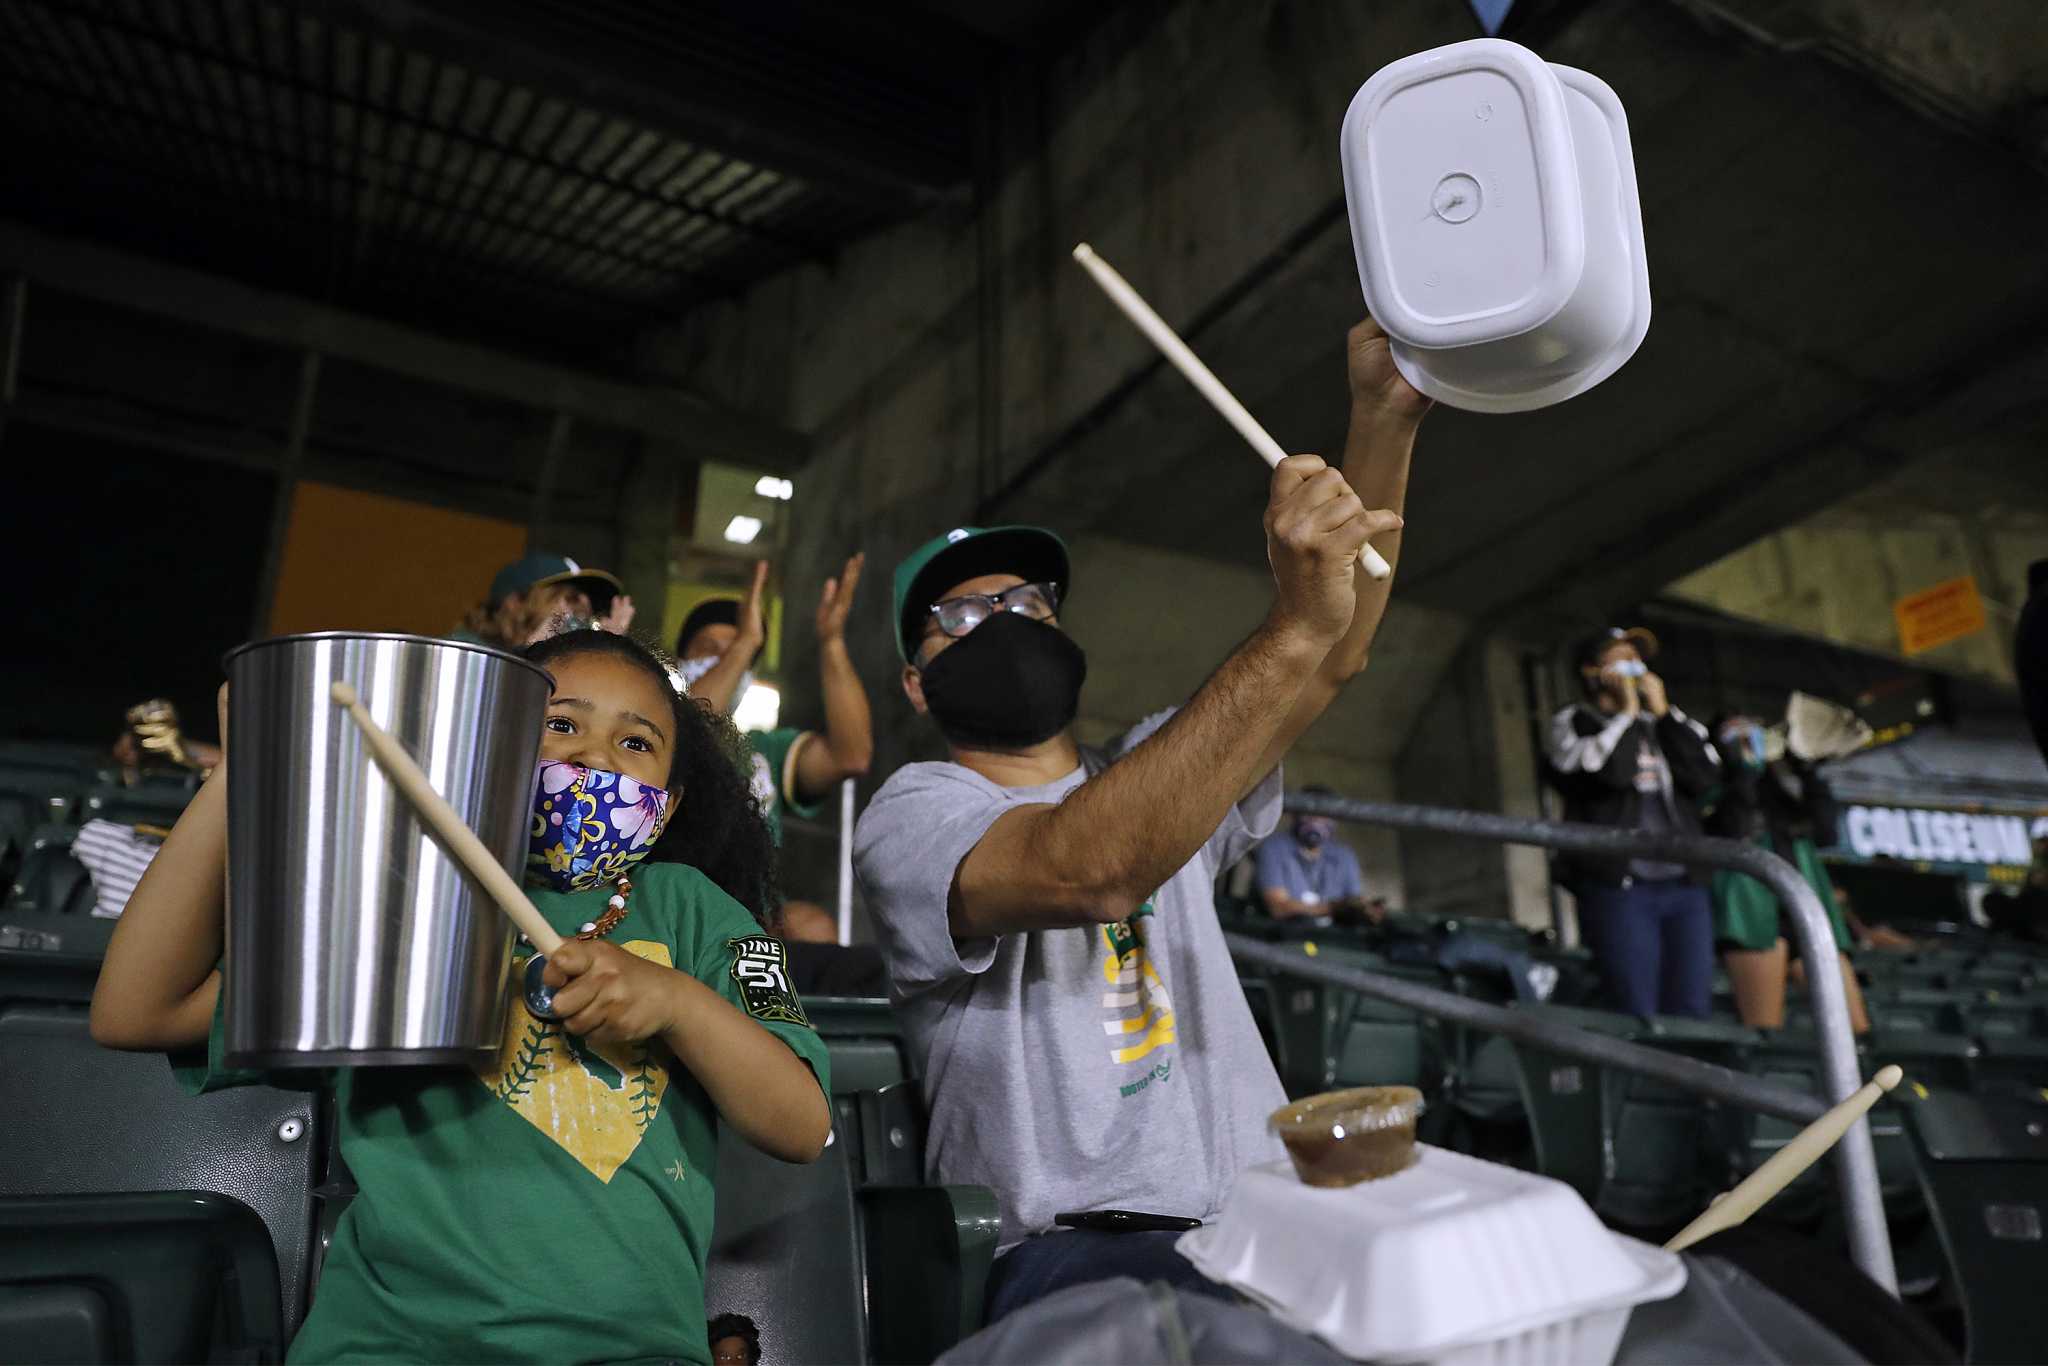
[1309,876]
[1780,804]
[793,769]
[735,1341]
[1624,756]
[541,594]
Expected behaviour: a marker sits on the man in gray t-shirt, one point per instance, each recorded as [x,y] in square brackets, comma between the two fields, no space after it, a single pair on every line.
[1047,909]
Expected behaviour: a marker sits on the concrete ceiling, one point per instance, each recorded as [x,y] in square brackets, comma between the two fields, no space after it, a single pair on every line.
[1841,282]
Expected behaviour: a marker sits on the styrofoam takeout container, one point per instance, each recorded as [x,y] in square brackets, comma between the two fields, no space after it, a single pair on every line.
[1454,1261]
[1496,224]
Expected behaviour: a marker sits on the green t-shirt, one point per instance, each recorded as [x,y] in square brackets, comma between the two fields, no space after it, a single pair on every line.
[556,1205]
[773,776]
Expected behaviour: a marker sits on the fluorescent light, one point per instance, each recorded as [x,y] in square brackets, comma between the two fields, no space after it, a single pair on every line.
[768,486]
[741,530]
[759,709]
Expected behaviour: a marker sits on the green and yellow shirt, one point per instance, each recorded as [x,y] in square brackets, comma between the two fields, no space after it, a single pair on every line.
[556,1204]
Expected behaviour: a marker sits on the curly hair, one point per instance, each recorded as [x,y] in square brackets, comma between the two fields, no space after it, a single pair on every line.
[735,1326]
[714,823]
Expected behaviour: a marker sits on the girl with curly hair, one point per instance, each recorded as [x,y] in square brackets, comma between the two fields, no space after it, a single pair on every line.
[554,1202]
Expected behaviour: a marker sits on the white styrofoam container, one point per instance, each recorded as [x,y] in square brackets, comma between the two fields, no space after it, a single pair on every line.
[1454,1261]
[1495,219]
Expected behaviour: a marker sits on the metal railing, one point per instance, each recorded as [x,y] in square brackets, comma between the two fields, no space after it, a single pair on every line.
[1855,1160]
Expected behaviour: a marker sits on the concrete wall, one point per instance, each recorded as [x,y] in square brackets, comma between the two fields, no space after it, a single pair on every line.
[1981,512]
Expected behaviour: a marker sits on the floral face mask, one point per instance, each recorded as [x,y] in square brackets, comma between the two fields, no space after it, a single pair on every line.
[589,825]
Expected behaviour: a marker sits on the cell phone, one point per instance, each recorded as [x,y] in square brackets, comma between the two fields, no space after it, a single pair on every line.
[1125,1221]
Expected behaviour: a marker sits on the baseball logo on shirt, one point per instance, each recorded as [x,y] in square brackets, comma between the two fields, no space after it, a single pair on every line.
[1141,1012]
[593,1100]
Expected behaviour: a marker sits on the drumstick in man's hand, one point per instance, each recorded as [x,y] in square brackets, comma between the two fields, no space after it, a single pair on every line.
[454,834]
[1201,376]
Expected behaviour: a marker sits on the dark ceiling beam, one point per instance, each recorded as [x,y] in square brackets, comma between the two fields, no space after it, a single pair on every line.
[592,69]
[678,421]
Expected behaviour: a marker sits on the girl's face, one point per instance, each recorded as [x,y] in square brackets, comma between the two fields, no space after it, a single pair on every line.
[607,714]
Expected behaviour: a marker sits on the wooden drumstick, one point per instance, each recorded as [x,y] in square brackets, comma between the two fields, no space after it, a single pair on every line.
[1201,376]
[1785,1165]
[440,817]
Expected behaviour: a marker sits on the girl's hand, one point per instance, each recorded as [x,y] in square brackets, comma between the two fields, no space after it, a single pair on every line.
[607,995]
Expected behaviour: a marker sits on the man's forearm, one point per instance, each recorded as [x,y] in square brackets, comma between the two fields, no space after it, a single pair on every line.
[849,729]
[718,689]
[1378,449]
[1128,829]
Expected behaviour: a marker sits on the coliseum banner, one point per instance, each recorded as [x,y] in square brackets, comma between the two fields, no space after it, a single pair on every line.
[1969,842]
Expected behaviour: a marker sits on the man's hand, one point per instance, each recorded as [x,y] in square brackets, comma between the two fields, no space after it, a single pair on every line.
[837,600]
[1651,689]
[1375,380]
[607,995]
[1314,527]
[618,618]
[753,626]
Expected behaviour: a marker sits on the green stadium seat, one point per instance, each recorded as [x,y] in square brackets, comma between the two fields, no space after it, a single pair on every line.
[89,1121]
[1565,1100]
[157,1276]
[49,880]
[1984,1166]
[154,801]
[834,1268]
[865,1041]
[2013,1066]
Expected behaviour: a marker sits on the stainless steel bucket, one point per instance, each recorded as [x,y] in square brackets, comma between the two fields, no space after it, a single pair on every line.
[353,937]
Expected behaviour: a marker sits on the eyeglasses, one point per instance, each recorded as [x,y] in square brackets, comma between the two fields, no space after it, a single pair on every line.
[958,616]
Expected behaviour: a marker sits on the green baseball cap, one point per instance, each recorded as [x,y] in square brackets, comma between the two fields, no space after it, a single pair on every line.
[543,569]
[967,552]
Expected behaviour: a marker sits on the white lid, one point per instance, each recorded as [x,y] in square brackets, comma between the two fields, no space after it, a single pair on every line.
[1450,1252]
[1464,194]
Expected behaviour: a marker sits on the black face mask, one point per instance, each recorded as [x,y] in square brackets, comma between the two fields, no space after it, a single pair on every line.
[1010,683]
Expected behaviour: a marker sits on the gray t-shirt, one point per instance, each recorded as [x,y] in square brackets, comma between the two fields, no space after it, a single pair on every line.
[1100,1067]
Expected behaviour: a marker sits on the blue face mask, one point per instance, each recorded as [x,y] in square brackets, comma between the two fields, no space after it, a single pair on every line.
[589,825]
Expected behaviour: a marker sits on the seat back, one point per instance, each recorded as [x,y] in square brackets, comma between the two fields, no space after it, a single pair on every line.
[851,1258]
[168,1276]
[86,1120]
[865,1041]
[787,1250]
[1984,1165]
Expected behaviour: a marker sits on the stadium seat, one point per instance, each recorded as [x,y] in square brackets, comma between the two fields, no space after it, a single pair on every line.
[1670,1145]
[834,1269]
[160,1276]
[865,1041]
[1984,1165]
[49,880]
[1566,1101]
[88,1121]
[154,801]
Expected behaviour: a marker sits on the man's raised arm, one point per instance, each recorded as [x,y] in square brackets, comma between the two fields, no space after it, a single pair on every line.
[1097,856]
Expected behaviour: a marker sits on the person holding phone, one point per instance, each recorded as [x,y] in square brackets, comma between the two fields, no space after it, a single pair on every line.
[1624,756]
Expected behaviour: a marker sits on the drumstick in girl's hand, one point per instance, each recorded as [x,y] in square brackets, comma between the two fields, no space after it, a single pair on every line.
[1201,376]
[440,817]
[1783,1166]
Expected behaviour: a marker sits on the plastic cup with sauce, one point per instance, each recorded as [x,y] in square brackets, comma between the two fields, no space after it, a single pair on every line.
[1340,1138]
